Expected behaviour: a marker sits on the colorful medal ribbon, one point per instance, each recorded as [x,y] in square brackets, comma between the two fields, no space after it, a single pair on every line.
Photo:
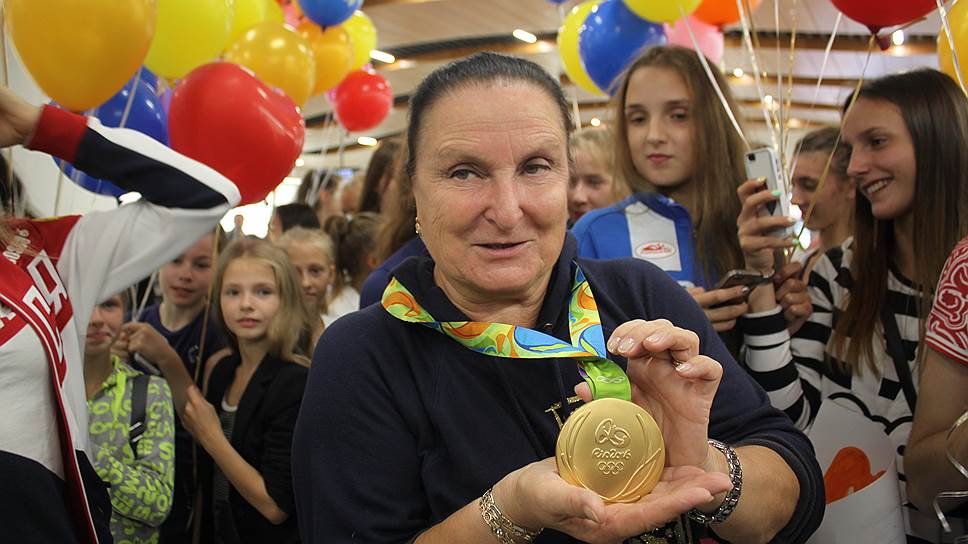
[605,378]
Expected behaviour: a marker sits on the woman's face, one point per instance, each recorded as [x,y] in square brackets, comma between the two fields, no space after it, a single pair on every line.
[315,271]
[833,202]
[591,187]
[249,298]
[659,124]
[882,159]
[491,188]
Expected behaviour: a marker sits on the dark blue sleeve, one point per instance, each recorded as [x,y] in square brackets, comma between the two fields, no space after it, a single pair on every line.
[742,413]
[356,463]
[131,160]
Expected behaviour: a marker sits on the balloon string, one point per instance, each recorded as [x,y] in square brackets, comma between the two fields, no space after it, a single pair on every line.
[840,133]
[15,204]
[948,444]
[756,70]
[134,90]
[787,102]
[779,78]
[816,90]
[951,43]
[713,81]
[60,183]
[576,112]
[199,363]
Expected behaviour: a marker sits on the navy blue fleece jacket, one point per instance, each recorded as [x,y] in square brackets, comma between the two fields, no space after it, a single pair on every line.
[400,426]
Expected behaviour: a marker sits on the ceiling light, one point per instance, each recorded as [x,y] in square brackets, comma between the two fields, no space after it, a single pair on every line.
[897,38]
[524,35]
[382,56]
[768,100]
[738,72]
[596,121]
[367,141]
[300,163]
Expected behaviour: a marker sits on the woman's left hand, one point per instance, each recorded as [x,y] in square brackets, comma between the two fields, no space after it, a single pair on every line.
[200,418]
[672,381]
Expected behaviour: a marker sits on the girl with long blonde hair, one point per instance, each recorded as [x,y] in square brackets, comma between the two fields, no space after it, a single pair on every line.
[245,420]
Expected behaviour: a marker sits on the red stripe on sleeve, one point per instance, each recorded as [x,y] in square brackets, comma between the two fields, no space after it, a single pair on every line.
[58,133]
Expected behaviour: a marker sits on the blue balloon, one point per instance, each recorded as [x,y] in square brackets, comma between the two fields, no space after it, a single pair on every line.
[147,115]
[327,13]
[611,38]
[557,2]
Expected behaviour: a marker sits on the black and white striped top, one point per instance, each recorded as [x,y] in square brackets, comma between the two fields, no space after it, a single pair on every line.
[799,373]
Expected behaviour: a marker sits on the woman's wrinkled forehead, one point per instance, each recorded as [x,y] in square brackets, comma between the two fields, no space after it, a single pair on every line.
[492,109]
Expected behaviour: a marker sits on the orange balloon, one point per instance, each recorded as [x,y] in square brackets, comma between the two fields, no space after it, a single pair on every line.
[333,51]
[279,56]
[721,12]
[81,53]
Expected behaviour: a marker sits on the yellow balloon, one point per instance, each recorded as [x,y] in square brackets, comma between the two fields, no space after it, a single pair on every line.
[274,12]
[958,21]
[81,53]
[568,46]
[249,13]
[664,11]
[363,35]
[190,33]
[279,56]
[333,52]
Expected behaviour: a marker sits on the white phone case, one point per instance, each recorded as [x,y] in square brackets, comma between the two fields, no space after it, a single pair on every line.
[763,163]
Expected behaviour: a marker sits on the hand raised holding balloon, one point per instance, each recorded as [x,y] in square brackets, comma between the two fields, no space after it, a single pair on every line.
[18,118]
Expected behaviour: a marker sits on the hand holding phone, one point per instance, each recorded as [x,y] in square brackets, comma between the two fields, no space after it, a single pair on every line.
[763,163]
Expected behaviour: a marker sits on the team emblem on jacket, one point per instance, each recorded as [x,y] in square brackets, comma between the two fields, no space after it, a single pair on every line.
[655,250]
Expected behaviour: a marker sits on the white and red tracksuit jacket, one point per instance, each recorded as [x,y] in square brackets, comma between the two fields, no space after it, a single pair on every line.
[52,274]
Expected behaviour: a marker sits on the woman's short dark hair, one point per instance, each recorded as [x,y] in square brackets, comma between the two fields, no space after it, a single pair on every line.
[480,68]
[297,214]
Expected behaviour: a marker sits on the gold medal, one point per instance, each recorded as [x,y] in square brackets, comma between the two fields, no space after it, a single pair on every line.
[612,447]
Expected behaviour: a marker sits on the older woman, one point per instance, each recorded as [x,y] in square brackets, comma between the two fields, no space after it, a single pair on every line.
[408,434]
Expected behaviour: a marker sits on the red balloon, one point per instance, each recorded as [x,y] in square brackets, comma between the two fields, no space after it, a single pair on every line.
[223,116]
[878,14]
[362,101]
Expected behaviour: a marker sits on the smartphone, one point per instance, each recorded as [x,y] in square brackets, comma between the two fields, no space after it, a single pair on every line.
[734,278]
[763,163]
[749,278]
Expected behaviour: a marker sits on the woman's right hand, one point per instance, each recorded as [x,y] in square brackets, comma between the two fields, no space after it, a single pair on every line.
[18,118]
[755,230]
[536,496]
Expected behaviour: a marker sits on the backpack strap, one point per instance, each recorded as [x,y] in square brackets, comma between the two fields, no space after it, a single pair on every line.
[139,402]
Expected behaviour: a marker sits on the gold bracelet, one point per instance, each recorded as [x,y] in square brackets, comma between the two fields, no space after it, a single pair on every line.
[505,530]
